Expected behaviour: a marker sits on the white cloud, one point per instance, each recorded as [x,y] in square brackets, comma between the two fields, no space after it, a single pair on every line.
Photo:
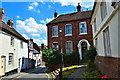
[18,16]
[30,27]
[49,19]
[36,35]
[30,7]
[40,41]
[38,11]
[49,6]
[84,3]
[34,4]
[42,21]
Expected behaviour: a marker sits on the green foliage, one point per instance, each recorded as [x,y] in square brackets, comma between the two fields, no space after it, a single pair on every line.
[96,76]
[71,59]
[52,58]
[90,54]
[90,66]
[49,56]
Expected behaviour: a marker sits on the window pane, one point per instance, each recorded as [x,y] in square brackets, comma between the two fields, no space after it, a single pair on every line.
[68,29]
[107,42]
[83,28]
[55,45]
[68,47]
[55,31]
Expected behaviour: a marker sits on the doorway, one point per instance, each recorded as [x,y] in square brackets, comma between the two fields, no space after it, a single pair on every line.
[83,49]
[3,65]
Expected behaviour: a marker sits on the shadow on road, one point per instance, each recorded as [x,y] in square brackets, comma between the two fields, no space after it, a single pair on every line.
[37,70]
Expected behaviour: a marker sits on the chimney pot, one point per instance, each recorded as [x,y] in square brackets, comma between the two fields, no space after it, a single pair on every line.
[31,39]
[10,23]
[2,14]
[55,14]
[78,8]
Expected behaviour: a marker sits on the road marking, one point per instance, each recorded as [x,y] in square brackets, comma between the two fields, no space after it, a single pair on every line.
[48,75]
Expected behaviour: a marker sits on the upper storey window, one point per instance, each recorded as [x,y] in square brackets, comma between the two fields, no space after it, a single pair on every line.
[103,10]
[55,31]
[83,28]
[68,29]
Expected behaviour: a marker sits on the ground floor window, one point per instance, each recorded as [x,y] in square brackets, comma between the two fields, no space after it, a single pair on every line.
[10,62]
[55,45]
[69,48]
[107,42]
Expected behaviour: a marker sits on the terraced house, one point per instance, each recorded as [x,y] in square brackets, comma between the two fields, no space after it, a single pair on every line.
[70,32]
[13,48]
[105,22]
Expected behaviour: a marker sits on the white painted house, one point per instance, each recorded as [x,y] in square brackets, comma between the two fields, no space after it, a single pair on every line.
[105,21]
[13,47]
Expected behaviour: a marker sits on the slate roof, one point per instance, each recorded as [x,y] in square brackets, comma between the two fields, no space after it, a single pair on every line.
[72,17]
[6,28]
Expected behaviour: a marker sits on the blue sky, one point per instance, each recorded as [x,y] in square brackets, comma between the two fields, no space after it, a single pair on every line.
[30,18]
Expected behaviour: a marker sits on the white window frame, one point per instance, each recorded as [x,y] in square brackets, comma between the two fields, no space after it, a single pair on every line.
[55,42]
[11,62]
[105,10]
[65,30]
[107,45]
[52,31]
[79,28]
[71,46]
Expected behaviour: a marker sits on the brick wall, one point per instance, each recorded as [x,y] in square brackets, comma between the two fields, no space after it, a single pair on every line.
[109,66]
[75,38]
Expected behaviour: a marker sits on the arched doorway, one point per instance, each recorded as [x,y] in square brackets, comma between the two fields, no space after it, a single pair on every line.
[82,46]
[83,49]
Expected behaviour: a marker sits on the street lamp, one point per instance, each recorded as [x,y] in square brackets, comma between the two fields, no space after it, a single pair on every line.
[61,51]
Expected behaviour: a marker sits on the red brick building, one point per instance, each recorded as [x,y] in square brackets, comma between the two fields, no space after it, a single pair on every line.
[70,32]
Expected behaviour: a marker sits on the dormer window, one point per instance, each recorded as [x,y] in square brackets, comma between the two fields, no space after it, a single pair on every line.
[55,31]
[83,28]
[68,29]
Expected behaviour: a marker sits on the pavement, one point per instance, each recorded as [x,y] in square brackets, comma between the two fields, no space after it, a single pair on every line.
[31,74]
[78,73]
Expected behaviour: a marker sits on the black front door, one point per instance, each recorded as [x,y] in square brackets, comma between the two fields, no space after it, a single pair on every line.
[83,48]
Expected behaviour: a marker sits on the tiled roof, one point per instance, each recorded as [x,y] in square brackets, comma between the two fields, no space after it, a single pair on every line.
[6,28]
[72,17]
[36,48]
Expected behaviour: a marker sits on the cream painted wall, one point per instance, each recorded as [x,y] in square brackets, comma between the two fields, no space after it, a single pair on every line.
[110,20]
[6,48]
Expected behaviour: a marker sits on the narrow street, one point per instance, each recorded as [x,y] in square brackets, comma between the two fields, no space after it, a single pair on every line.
[36,73]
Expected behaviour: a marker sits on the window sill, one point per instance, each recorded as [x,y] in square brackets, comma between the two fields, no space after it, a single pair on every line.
[54,36]
[68,35]
[83,33]
[10,65]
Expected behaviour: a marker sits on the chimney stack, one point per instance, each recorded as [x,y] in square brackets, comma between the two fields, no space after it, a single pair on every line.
[31,39]
[78,8]
[42,46]
[10,23]
[55,14]
[87,9]
[2,14]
